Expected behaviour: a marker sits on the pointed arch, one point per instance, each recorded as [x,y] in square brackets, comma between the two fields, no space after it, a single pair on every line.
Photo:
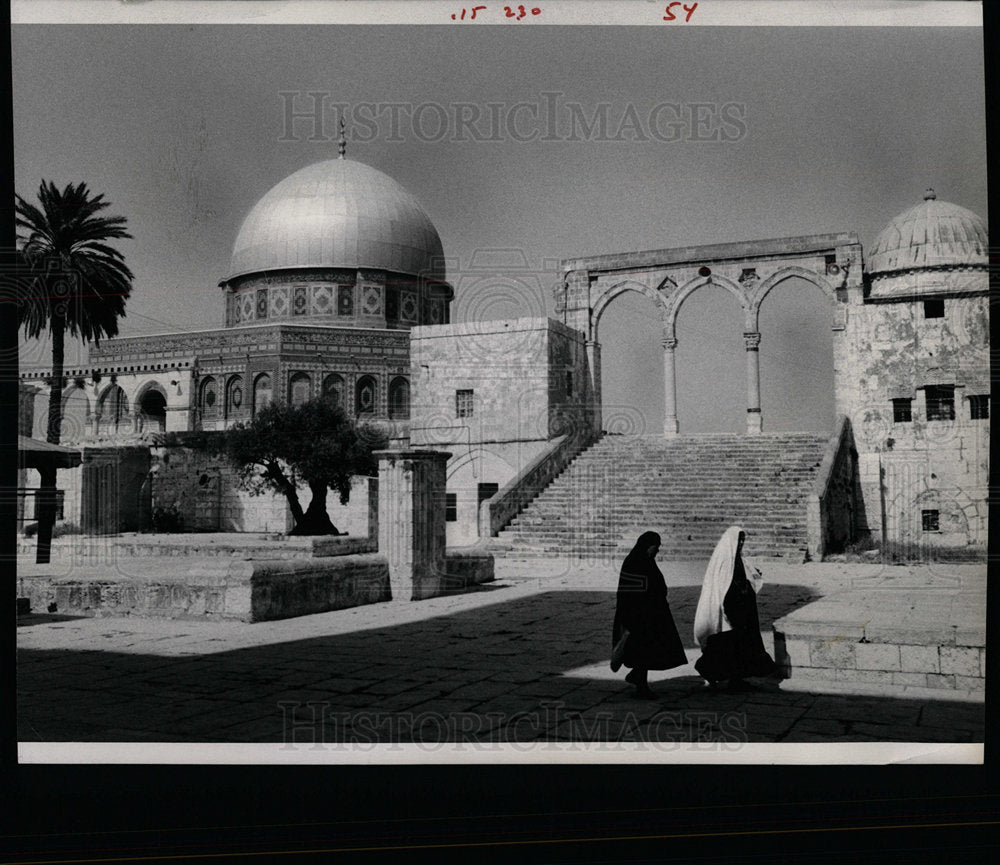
[673,305]
[618,289]
[762,290]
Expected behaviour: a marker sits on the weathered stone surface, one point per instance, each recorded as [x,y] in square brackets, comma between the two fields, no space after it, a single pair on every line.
[877,656]
[919,659]
[960,660]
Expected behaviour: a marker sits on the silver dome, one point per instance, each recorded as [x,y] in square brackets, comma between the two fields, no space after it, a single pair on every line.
[338,213]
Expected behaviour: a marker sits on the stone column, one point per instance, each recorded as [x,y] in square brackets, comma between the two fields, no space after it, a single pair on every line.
[411,524]
[752,341]
[594,371]
[669,388]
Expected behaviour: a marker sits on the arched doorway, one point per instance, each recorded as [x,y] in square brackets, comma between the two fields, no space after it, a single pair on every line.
[152,410]
[299,389]
[630,333]
[261,392]
[796,358]
[114,411]
[399,399]
[710,363]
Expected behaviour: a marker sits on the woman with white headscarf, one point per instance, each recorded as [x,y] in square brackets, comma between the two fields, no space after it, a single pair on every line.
[726,624]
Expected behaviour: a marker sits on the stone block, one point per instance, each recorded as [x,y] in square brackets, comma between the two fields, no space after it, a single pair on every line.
[876,656]
[919,659]
[960,661]
[970,683]
[835,653]
[796,653]
[941,682]
[914,680]
[982,663]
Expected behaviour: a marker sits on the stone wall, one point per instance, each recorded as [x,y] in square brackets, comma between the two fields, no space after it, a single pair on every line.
[922,464]
[530,382]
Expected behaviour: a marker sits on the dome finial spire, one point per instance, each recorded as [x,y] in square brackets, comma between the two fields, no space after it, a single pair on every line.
[929,194]
[342,141]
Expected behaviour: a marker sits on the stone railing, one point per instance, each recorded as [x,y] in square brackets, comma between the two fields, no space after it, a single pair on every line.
[496,512]
[830,506]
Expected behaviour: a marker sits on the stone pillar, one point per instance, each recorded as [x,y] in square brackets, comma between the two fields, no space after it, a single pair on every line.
[411,525]
[594,371]
[669,388]
[752,341]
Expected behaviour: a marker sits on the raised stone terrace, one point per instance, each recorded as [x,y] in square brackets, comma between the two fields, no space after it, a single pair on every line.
[689,489]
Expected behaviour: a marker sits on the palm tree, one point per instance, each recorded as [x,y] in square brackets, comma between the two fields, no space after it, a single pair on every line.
[70,281]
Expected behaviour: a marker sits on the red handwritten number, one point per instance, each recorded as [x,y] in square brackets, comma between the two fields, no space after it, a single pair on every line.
[670,11]
[472,17]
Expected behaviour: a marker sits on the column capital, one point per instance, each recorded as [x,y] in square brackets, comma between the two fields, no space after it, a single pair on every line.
[669,343]
[751,339]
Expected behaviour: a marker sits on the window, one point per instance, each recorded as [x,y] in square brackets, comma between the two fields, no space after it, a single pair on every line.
[902,410]
[261,392]
[487,491]
[209,397]
[399,399]
[450,507]
[234,395]
[391,303]
[940,402]
[569,383]
[930,521]
[299,389]
[979,407]
[933,309]
[333,389]
[364,396]
[831,264]
[463,403]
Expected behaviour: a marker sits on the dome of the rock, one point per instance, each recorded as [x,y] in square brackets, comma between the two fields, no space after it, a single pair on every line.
[934,233]
[338,214]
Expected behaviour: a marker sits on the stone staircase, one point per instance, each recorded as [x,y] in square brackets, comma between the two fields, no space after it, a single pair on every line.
[689,489]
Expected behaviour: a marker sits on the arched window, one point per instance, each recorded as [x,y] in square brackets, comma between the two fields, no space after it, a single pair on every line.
[208,398]
[261,392]
[333,389]
[299,388]
[153,410]
[114,409]
[364,395]
[76,413]
[234,396]
[399,399]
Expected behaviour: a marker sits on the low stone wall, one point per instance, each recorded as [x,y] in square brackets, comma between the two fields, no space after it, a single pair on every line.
[514,497]
[222,588]
[921,643]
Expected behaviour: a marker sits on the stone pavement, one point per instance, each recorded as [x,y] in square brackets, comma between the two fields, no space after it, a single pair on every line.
[523,659]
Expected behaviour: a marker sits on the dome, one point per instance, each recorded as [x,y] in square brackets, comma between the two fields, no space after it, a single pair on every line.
[338,213]
[932,234]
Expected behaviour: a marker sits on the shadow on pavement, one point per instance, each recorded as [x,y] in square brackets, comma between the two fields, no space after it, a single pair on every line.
[497,673]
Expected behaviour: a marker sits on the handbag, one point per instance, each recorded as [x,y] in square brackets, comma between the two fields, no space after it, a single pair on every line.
[618,652]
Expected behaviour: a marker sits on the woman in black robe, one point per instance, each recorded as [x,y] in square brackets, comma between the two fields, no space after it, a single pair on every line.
[726,624]
[643,619]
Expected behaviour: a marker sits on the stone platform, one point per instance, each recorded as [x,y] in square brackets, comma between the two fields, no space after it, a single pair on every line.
[915,637]
[100,576]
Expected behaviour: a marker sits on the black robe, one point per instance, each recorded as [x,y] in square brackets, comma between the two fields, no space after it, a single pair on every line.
[740,652]
[642,608]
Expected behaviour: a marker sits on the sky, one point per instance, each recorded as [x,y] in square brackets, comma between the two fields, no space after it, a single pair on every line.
[184,128]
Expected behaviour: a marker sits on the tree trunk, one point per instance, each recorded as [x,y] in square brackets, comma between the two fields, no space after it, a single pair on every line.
[315,521]
[47,487]
[288,488]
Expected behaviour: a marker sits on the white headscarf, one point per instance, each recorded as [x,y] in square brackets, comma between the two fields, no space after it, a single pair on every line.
[710,618]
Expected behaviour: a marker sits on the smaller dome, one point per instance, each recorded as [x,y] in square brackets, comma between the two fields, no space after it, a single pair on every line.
[932,234]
